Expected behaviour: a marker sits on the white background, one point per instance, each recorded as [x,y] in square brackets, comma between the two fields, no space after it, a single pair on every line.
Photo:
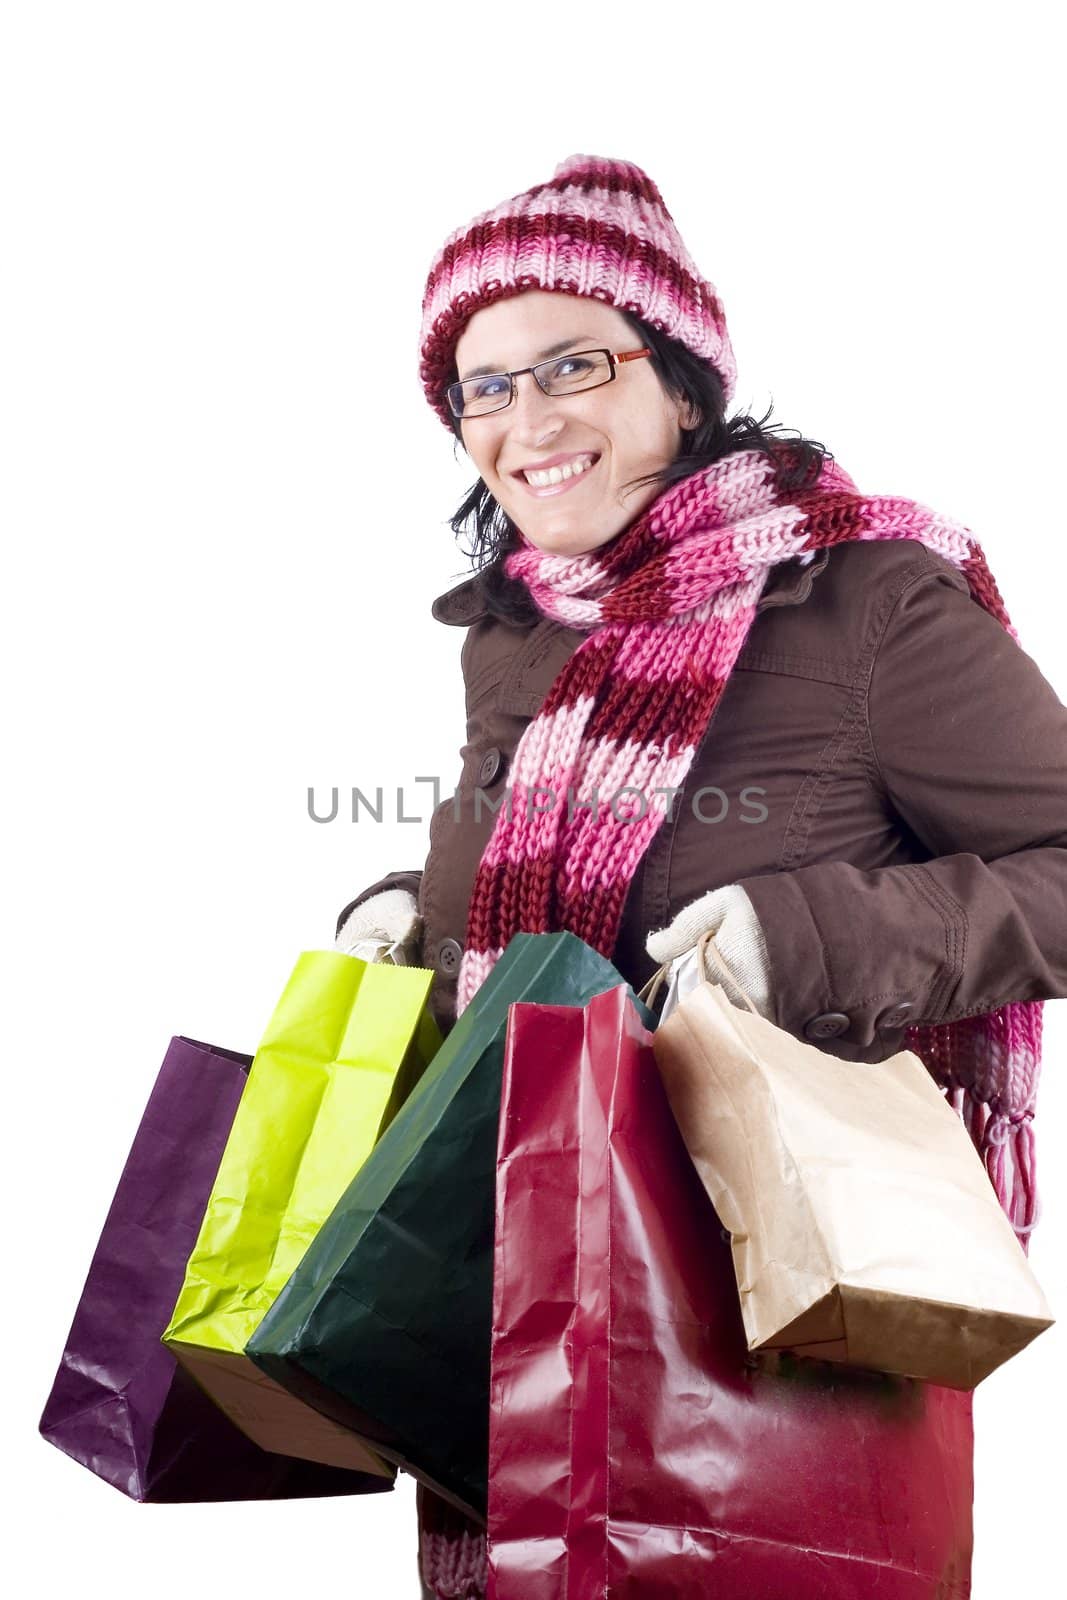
[225,506]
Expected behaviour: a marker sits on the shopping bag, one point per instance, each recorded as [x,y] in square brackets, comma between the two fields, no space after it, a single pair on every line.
[385,1323]
[321,1082]
[864,1226]
[633,1449]
[120,1405]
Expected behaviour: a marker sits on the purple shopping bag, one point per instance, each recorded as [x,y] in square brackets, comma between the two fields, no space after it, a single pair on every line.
[120,1404]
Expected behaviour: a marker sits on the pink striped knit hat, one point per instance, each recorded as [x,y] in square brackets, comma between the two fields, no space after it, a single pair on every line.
[598,228]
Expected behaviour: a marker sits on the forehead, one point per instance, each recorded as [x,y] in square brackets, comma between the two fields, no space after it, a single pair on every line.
[516,331]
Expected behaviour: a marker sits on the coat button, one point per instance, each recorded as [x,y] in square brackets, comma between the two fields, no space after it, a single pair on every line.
[449,956]
[898,1016]
[828,1025]
[491,767]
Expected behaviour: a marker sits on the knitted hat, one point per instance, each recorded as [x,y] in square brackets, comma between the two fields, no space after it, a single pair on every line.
[598,228]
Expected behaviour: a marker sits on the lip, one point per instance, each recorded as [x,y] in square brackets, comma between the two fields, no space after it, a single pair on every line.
[550,489]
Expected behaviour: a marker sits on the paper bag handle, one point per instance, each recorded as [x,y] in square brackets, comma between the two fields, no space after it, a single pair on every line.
[395,956]
[703,945]
[387,954]
[650,990]
[706,943]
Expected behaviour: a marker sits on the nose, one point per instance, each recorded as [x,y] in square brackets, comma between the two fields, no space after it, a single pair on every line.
[533,416]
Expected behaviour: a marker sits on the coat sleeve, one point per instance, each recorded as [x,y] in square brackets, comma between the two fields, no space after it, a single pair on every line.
[968,742]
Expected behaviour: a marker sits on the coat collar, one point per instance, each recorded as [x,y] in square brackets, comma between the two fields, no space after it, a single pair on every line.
[788,584]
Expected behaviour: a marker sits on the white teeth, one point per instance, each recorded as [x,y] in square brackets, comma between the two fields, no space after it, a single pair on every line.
[569,469]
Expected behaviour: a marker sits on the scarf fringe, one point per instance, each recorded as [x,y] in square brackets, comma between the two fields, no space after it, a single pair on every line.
[453,1553]
[1007,1147]
[455,1567]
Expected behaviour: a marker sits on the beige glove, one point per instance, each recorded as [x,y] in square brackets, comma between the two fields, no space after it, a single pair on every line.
[386,925]
[730,916]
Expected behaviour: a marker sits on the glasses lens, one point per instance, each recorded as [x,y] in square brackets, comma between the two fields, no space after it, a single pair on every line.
[568,374]
[563,375]
[478,395]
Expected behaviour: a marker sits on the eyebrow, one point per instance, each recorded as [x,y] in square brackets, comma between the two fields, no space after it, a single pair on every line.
[546,355]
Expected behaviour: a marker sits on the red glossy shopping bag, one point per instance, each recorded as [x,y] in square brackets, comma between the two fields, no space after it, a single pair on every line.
[634,1450]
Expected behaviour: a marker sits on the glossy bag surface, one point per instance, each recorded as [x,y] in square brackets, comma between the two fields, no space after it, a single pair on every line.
[385,1324]
[120,1405]
[633,1449]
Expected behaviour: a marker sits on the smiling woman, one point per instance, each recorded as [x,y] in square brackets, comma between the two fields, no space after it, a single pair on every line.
[667,602]
[688,399]
[626,425]
[483,392]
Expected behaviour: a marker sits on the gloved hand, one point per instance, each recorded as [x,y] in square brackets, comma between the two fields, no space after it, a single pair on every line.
[729,915]
[386,919]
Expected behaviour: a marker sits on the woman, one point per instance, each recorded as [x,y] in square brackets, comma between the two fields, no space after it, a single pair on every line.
[749,699]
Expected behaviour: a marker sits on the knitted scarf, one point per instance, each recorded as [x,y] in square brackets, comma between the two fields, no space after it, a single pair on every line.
[667,606]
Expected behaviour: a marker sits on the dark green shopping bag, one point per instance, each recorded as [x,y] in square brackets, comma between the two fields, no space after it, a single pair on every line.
[385,1325]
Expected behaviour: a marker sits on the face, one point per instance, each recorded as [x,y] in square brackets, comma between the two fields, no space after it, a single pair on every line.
[628,427]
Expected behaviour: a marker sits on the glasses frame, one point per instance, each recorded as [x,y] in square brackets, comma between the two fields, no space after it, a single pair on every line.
[615,359]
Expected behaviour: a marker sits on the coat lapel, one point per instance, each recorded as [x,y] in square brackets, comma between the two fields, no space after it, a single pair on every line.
[547,645]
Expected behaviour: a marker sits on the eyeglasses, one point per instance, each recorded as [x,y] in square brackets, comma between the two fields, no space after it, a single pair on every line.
[570,374]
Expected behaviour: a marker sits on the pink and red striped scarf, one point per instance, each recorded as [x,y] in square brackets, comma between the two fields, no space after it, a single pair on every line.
[667,606]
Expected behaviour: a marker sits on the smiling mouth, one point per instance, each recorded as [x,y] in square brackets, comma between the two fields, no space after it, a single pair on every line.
[545,490]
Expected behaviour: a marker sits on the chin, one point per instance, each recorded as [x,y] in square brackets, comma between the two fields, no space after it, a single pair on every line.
[561,544]
[573,540]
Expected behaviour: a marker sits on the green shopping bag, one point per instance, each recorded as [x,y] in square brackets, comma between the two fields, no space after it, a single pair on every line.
[385,1325]
[344,1045]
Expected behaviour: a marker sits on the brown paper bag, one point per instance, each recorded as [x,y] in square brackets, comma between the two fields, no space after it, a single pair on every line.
[863,1225]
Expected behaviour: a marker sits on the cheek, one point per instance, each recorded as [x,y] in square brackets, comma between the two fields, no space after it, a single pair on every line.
[637,439]
[660,441]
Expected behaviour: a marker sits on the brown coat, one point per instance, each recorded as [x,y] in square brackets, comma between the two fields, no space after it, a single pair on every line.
[886,776]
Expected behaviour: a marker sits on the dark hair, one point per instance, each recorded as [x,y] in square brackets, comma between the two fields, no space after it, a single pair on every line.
[493,535]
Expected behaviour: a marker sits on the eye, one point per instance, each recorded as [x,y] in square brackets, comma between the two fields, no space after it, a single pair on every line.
[570,366]
[489,388]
